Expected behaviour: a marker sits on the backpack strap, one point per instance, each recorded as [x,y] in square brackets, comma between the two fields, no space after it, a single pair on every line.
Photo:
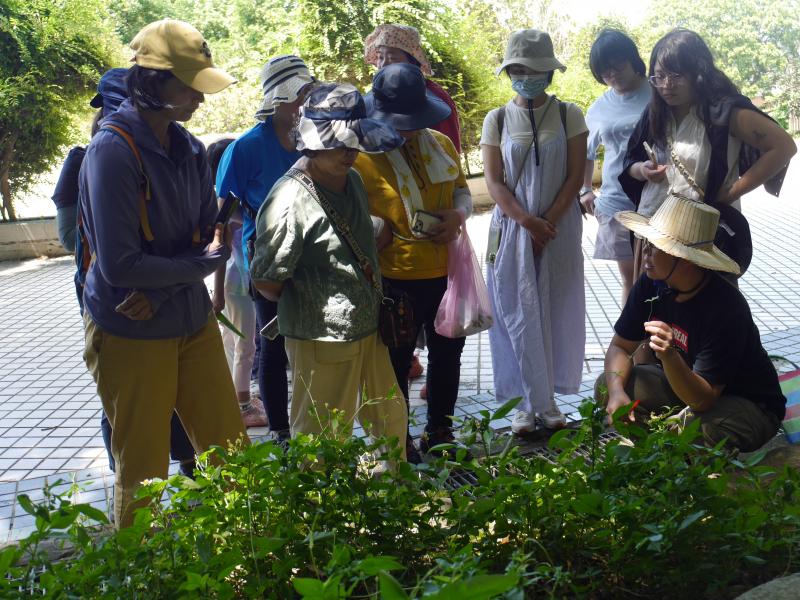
[501,120]
[562,110]
[144,192]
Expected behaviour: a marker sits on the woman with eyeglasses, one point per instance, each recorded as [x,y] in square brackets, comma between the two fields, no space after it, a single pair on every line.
[615,62]
[710,142]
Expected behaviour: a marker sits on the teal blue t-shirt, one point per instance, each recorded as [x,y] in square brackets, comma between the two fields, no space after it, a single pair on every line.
[326,295]
[249,168]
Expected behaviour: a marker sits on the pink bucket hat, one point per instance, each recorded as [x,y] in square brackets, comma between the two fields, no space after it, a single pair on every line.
[404,37]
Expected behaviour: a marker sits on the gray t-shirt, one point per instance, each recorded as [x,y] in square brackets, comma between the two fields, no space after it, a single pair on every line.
[611,120]
[326,296]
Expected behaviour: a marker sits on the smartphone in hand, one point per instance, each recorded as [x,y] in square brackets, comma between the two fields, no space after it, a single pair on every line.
[650,153]
[229,206]
[424,222]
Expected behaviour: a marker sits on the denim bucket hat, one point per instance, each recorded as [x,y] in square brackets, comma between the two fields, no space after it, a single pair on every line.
[334,116]
[400,97]
[111,91]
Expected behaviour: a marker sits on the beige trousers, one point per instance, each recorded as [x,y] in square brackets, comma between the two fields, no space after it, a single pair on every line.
[141,383]
[354,377]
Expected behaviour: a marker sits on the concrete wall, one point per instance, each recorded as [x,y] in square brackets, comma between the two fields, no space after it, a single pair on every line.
[32,238]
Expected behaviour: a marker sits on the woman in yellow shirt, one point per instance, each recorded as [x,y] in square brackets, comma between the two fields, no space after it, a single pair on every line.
[422,176]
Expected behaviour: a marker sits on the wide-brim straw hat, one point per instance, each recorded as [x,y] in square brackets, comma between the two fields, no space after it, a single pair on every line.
[685,229]
[533,49]
[334,116]
[281,79]
[404,37]
[400,97]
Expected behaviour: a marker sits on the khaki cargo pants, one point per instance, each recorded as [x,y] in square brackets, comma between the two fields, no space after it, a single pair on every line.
[141,383]
[744,424]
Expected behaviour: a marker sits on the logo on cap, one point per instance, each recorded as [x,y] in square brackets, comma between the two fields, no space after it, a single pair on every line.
[204,49]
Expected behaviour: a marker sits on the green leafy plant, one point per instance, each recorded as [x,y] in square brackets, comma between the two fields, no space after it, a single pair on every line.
[590,518]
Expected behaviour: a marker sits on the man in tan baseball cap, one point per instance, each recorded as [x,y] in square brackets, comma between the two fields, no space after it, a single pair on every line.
[175,46]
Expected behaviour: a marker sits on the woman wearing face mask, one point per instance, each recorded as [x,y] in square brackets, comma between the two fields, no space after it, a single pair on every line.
[710,142]
[534,154]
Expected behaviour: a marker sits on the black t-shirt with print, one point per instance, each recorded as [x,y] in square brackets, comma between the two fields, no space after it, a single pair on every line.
[715,335]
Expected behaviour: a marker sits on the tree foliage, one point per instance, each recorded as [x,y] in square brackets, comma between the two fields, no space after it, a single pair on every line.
[52,51]
[50,58]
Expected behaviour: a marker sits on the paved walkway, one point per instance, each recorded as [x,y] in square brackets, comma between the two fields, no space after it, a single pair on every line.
[49,412]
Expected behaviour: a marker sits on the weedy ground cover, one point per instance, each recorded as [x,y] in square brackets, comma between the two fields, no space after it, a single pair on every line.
[662,517]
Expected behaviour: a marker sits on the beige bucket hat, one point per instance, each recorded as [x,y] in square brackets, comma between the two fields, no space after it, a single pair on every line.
[682,228]
[531,48]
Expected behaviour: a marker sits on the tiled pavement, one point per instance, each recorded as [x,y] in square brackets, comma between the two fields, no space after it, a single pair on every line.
[49,411]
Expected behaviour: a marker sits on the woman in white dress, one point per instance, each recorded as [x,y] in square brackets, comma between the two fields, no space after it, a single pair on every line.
[534,153]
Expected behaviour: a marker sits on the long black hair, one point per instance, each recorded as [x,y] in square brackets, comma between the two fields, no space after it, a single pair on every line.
[684,52]
[614,46]
[144,87]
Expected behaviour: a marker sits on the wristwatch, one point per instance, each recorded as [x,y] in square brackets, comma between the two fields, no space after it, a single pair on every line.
[584,190]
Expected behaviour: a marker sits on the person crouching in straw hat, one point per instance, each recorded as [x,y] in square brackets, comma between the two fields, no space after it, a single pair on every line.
[249,168]
[710,361]
[147,206]
[316,256]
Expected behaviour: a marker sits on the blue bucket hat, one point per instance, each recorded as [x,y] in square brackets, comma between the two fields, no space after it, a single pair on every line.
[111,91]
[334,116]
[400,97]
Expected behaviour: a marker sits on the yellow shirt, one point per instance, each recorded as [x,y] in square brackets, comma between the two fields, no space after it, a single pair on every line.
[410,258]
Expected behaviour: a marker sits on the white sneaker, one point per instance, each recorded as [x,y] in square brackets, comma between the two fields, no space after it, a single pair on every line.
[553,418]
[524,422]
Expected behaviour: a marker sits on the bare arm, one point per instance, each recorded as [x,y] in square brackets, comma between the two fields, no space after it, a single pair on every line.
[587,198]
[618,365]
[776,146]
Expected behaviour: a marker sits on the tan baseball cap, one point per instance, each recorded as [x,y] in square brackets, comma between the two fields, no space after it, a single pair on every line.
[175,46]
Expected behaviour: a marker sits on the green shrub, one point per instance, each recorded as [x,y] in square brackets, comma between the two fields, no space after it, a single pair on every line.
[661,518]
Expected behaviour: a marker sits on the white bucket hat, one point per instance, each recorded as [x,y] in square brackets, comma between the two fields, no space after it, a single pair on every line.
[281,79]
[533,49]
[682,228]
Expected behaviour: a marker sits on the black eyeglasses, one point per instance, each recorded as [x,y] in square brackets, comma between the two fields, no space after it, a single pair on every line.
[615,69]
[662,80]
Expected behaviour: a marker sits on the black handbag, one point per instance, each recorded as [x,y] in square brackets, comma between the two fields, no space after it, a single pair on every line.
[396,325]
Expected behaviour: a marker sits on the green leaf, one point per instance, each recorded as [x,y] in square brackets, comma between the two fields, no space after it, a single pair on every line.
[691,519]
[226,322]
[27,505]
[95,514]
[307,587]
[755,559]
[480,587]
[390,587]
[591,504]
[506,408]
[375,564]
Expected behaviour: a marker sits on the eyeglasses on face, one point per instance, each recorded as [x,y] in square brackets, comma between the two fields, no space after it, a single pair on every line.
[613,69]
[661,80]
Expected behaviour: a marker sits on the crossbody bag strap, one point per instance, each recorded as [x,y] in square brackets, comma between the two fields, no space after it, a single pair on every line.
[144,191]
[340,226]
